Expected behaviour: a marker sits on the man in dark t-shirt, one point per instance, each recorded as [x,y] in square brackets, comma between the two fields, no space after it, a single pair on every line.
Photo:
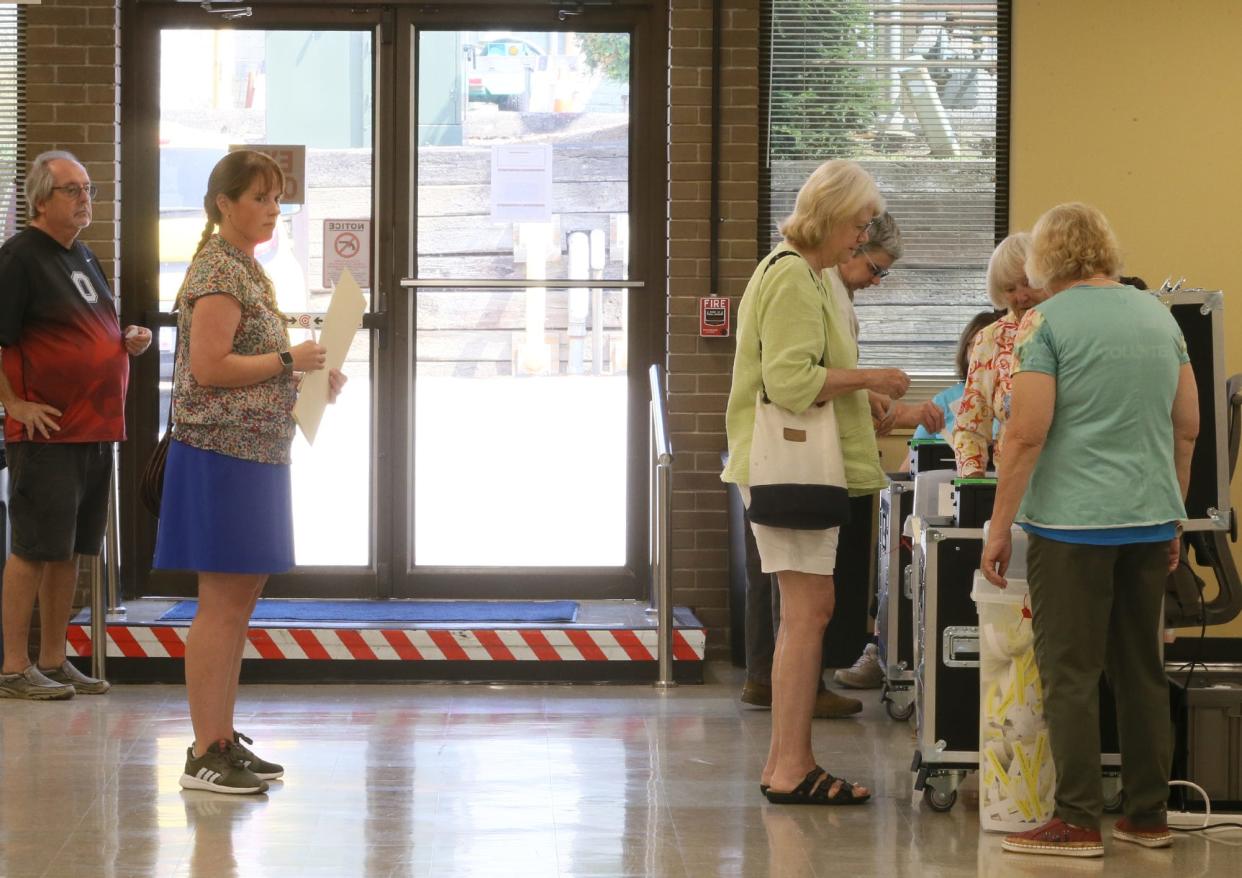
[65,366]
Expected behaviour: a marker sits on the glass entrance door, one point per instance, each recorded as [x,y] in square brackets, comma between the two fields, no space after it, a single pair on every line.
[305,98]
[482,186]
[301,90]
[522,431]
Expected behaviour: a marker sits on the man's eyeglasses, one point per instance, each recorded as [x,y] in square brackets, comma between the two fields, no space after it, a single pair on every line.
[73,190]
[876,271]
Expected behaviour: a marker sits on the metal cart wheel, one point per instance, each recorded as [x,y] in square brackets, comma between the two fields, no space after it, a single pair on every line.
[1113,804]
[938,801]
[900,714]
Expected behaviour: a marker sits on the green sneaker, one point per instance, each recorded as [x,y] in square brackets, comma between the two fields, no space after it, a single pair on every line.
[220,770]
[261,767]
[71,676]
[30,685]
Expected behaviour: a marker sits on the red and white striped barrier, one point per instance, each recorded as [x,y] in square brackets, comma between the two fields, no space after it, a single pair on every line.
[398,644]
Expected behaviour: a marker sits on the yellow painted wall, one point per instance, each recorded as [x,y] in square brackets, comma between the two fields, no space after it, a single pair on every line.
[1133,106]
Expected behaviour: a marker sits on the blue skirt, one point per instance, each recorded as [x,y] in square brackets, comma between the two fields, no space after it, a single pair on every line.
[222,514]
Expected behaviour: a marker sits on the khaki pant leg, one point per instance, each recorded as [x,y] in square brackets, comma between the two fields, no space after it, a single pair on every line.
[1135,666]
[1071,590]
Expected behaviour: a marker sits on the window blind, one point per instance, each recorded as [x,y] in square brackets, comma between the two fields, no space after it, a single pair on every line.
[917,92]
[12,118]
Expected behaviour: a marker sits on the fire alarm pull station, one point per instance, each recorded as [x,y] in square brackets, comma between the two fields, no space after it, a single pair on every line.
[713,317]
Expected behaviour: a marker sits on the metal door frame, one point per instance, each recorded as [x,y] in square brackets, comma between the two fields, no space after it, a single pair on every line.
[141,24]
[647,211]
[395,27]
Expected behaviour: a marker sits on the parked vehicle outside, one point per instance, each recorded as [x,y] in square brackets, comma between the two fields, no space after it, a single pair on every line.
[498,70]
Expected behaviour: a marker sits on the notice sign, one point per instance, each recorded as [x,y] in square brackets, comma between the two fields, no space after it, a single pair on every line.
[713,317]
[522,183]
[347,247]
[292,161]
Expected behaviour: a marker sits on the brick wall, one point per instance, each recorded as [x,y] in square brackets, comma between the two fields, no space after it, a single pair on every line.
[72,103]
[699,369]
[73,95]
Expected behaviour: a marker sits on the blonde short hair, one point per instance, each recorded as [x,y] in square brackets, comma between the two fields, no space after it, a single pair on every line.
[1007,267]
[1069,243]
[834,194]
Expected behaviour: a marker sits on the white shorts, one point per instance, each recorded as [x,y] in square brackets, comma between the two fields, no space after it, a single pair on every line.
[803,551]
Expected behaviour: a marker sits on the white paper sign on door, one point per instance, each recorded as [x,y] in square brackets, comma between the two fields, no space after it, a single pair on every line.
[522,182]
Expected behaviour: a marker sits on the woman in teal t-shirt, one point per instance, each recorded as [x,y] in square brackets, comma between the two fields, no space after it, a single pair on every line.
[1098,446]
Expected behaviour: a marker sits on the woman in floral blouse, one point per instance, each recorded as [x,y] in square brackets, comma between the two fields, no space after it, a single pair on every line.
[227,509]
[988,378]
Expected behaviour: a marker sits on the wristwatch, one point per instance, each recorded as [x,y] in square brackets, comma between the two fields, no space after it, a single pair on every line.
[286,362]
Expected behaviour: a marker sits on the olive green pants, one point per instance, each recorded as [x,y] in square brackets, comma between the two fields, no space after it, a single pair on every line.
[1098,609]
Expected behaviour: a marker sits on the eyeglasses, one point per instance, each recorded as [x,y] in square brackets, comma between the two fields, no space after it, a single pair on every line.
[876,271]
[74,191]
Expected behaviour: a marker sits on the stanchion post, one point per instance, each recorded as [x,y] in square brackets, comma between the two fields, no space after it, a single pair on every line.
[112,548]
[99,622]
[653,518]
[661,504]
[663,580]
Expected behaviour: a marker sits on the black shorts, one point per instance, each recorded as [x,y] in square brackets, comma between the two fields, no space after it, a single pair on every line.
[58,498]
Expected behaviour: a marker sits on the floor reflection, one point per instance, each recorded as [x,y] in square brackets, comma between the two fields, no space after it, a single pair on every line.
[411,781]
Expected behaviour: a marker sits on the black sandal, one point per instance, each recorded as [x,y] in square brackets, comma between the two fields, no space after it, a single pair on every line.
[814,791]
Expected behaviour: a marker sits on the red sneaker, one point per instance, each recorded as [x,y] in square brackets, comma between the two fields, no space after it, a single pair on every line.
[1056,838]
[1155,836]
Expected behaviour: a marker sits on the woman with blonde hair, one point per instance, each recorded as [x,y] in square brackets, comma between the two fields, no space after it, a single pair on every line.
[1097,463]
[985,398]
[227,504]
[808,357]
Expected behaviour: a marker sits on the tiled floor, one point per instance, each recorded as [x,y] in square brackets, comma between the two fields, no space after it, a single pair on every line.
[423,780]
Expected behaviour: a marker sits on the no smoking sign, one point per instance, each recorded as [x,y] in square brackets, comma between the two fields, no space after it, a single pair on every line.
[347,245]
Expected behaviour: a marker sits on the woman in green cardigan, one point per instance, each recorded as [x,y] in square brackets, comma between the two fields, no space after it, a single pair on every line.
[788,312]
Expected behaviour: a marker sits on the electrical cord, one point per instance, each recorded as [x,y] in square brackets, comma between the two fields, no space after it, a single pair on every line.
[1207,825]
[1198,659]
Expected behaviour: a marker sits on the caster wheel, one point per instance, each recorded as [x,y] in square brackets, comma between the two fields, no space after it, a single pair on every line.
[938,801]
[900,714]
[1113,804]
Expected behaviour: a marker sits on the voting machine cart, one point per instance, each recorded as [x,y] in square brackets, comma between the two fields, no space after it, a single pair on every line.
[1207,687]
[894,591]
[948,549]
[894,626]
[946,658]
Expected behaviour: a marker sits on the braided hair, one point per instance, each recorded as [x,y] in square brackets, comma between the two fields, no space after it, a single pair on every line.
[231,177]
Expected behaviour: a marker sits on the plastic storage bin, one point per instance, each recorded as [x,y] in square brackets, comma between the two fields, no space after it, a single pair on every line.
[1017,779]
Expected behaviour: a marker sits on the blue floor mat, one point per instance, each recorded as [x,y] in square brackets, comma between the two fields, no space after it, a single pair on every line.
[396,611]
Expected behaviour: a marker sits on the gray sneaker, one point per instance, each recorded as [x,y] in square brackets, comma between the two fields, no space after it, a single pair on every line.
[81,683]
[866,672]
[220,770]
[33,686]
[263,769]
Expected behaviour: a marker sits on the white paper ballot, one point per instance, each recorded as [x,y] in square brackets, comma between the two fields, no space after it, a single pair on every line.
[339,327]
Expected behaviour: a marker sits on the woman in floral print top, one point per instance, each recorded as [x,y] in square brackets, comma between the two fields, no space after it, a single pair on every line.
[254,422]
[227,510]
[989,375]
